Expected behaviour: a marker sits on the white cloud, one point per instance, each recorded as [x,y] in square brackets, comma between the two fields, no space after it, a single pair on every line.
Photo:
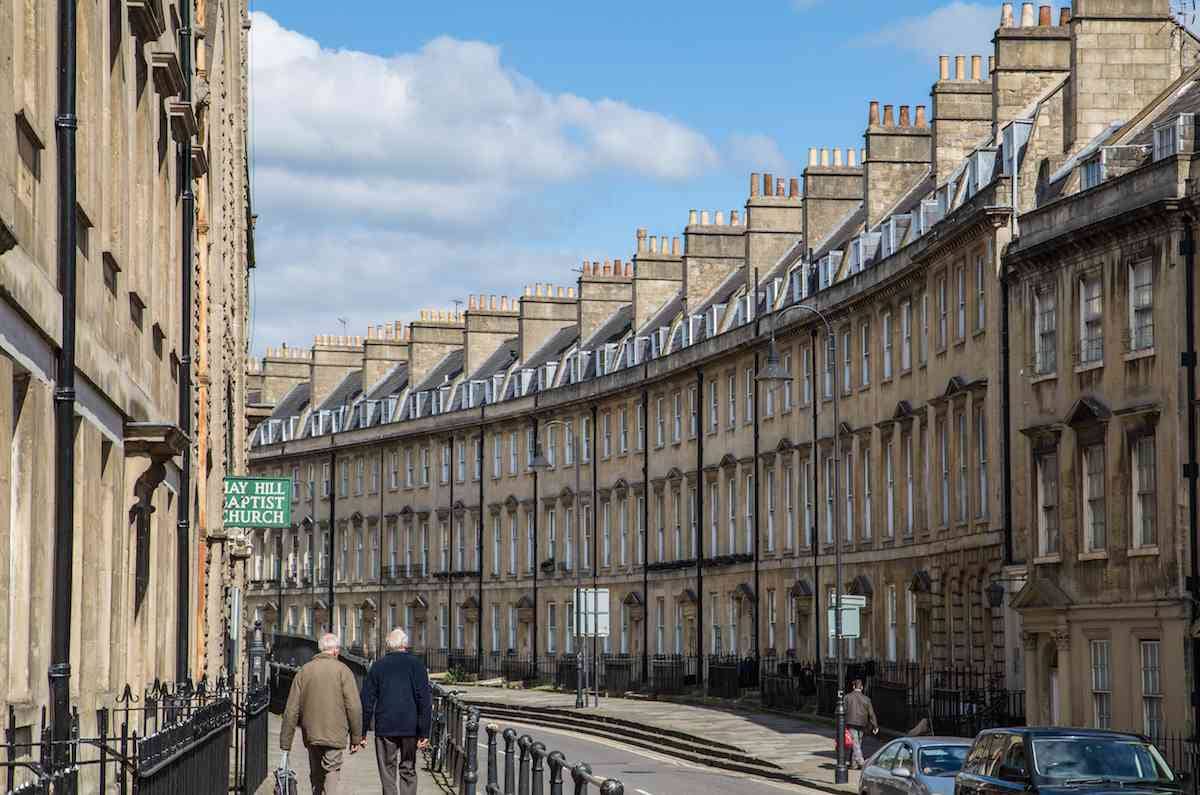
[957,27]
[757,152]
[387,184]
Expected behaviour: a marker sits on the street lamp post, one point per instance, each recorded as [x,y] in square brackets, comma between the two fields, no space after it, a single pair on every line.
[540,462]
[775,373]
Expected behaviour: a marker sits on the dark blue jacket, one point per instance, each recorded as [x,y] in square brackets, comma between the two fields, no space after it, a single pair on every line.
[395,697]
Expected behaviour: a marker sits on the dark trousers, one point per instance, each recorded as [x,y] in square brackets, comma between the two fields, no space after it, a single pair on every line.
[397,761]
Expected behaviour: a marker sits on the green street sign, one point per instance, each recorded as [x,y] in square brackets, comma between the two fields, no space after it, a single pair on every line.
[258,502]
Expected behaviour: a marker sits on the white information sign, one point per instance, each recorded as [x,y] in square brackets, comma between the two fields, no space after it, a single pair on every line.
[594,603]
[851,606]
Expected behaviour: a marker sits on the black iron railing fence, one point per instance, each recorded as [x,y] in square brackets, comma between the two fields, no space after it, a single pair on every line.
[184,739]
[523,766]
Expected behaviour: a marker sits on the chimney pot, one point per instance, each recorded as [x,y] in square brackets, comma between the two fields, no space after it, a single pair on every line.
[704,217]
[824,155]
[960,67]
[1044,16]
[837,155]
[528,291]
[920,115]
[641,240]
[943,67]
[754,183]
[692,215]
[852,157]
[889,117]
[570,292]
[675,245]
[813,157]
[873,112]
[1064,15]
[1006,15]
[793,188]
[617,264]
[718,218]
[905,119]
[653,244]
[991,65]
[628,269]
[779,187]
[862,155]
[733,217]
[1027,17]
[560,292]
[504,303]
[596,270]
[768,185]
[492,302]
[976,67]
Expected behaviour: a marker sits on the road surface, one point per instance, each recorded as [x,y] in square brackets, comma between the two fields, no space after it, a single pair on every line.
[642,772]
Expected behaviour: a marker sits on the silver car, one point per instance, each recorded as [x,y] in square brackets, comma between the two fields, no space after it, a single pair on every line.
[914,766]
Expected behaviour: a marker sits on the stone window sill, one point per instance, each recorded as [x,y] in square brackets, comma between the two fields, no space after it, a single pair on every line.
[1133,356]
[1142,552]
[1045,559]
[1089,366]
[1099,554]
[1043,377]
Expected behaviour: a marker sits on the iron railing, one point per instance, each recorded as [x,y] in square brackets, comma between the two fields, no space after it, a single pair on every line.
[527,767]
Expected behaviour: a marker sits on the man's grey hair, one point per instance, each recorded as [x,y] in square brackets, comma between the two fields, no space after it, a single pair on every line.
[397,640]
[329,642]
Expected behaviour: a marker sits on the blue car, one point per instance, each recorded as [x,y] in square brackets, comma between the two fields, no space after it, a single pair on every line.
[914,766]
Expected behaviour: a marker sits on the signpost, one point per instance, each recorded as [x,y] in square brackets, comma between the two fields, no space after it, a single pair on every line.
[258,502]
[595,618]
[851,607]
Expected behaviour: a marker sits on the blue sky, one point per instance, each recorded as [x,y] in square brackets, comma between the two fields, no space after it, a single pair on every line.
[407,154]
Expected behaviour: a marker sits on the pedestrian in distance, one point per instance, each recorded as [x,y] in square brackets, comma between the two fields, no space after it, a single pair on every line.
[324,703]
[396,702]
[860,717]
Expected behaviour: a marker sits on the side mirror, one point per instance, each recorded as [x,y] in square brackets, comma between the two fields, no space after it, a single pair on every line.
[902,772]
[1013,773]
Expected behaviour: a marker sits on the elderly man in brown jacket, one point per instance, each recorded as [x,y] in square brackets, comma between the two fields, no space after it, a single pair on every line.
[324,703]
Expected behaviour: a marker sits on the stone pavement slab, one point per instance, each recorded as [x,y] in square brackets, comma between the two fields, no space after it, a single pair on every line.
[359,772]
[799,747]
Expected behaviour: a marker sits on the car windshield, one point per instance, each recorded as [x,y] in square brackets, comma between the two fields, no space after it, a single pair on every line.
[942,760]
[1086,759]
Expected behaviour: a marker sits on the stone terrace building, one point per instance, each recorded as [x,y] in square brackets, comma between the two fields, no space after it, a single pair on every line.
[132,123]
[705,497]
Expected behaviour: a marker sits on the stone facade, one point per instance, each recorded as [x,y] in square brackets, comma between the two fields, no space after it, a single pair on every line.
[133,130]
[991,279]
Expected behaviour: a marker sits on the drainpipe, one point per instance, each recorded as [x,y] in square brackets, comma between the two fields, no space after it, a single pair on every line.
[64,400]
[1006,421]
[332,532]
[816,503]
[700,401]
[535,563]
[379,612]
[450,557]
[479,555]
[645,525]
[1191,468]
[755,635]
[595,559]
[184,529]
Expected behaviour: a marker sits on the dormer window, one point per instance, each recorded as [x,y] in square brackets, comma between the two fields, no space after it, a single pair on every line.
[1093,171]
[1169,135]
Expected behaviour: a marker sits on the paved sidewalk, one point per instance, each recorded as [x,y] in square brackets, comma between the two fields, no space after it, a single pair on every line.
[359,773]
[801,748]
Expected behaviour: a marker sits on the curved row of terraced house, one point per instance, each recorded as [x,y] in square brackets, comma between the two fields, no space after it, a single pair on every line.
[1005,279]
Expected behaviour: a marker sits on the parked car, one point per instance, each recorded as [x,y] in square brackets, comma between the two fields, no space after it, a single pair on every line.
[914,766]
[1045,760]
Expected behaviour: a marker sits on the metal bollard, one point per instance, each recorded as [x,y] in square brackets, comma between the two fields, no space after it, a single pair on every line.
[471,774]
[557,762]
[523,773]
[510,762]
[579,775]
[539,770]
[492,772]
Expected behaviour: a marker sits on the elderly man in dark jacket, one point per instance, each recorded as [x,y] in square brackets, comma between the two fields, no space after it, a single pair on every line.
[860,717]
[397,702]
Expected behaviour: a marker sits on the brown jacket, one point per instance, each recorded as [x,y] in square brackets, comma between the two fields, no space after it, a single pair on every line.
[859,712]
[324,702]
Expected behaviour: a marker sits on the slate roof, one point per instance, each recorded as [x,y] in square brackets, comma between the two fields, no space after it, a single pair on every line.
[392,383]
[665,315]
[611,330]
[554,347]
[345,393]
[445,371]
[293,403]
[851,224]
[499,361]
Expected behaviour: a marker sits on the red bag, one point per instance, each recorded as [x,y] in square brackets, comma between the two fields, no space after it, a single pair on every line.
[847,740]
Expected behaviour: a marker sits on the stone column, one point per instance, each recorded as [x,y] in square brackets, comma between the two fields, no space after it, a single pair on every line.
[1033,678]
[1062,642]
